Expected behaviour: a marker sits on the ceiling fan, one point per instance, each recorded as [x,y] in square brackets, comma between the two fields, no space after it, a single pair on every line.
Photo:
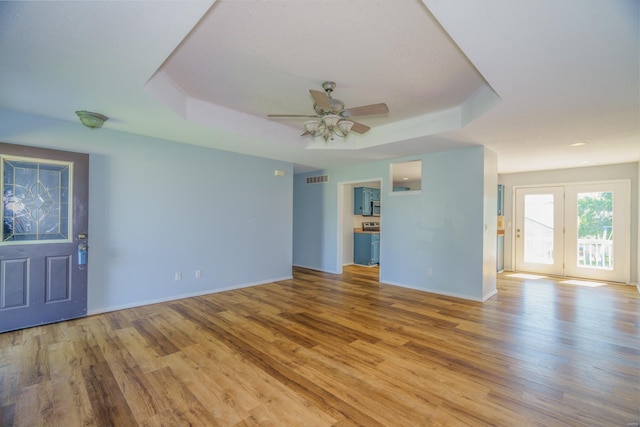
[331,116]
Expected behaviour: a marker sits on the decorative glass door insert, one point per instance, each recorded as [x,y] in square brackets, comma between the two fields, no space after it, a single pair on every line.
[36,196]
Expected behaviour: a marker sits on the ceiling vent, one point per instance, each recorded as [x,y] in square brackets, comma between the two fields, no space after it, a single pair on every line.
[320,179]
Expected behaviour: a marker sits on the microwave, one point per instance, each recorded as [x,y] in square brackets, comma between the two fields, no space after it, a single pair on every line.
[375,208]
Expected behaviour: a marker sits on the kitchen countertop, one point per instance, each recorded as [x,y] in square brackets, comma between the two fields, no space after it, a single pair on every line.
[359,230]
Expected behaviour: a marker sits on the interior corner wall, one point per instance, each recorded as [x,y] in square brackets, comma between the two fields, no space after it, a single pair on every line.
[157,208]
[439,228]
[623,171]
[489,266]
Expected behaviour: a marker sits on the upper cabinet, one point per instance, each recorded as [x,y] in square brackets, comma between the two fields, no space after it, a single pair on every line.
[362,198]
[500,199]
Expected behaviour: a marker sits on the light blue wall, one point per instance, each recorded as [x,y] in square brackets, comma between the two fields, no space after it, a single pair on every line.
[441,228]
[157,208]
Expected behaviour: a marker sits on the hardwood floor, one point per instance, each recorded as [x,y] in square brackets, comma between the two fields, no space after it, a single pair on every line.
[325,350]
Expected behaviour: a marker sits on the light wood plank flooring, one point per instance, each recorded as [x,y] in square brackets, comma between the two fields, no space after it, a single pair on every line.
[326,350]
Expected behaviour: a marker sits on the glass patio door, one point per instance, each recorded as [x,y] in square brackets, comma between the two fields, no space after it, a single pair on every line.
[539,239]
[598,222]
[578,230]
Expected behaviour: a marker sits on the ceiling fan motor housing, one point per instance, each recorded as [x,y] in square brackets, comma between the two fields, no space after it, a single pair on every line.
[336,105]
[328,87]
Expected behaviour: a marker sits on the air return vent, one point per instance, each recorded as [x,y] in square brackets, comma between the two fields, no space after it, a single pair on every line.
[320,179]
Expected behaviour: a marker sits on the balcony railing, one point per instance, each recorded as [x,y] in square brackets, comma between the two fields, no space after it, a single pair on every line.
[596,253]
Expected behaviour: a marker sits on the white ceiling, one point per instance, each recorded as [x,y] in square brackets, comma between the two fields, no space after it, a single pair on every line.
[524,78]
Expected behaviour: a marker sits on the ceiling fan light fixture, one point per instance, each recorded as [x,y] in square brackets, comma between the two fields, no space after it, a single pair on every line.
[331,116]
[312,126]
[327,134]
[331,120]
[92,120]
[345,126]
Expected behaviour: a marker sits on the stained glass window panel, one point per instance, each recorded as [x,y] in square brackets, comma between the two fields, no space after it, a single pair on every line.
[35,198]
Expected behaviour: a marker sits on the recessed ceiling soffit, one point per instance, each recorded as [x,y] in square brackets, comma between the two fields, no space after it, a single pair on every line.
[230,76]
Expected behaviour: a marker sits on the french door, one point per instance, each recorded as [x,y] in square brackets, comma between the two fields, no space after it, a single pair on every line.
[578,230]
[540,230]
[43,244]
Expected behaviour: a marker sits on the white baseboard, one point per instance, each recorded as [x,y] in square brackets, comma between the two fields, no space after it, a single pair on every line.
[490,295]
[439,292]
[315,269]
[181,296]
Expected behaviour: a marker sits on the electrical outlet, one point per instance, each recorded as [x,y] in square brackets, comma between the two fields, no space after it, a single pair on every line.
[429,271]
[178,276]
[198,274]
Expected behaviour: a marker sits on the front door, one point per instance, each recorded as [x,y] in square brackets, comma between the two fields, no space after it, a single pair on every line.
[43,271]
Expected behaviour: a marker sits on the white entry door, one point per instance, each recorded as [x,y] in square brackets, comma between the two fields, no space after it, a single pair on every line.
[578,230]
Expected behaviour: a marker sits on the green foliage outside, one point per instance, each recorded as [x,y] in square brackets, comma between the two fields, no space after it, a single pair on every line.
[595,215]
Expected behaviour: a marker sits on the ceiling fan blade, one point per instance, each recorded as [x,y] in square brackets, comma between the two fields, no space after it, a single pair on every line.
[292,115]
[366,110]
[321,99]
[359,128]
[306,133]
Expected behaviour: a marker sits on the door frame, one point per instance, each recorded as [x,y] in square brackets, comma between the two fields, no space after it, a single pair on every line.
[344,208]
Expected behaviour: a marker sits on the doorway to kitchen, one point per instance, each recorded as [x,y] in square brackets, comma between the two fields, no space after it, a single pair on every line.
[578,230]
[359,230]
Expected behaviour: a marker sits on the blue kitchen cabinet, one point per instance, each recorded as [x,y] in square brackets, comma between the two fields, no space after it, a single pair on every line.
[362,198]
[500,243]
[500,257]
[366,248]
[500,199]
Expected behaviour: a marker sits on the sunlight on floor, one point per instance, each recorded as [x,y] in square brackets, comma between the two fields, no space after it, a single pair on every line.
[526,276]
[575,282]
[586,283]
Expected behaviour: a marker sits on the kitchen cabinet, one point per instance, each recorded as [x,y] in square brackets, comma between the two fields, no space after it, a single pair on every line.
[500,243]
[500,254]
[362,198]
[366,248]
